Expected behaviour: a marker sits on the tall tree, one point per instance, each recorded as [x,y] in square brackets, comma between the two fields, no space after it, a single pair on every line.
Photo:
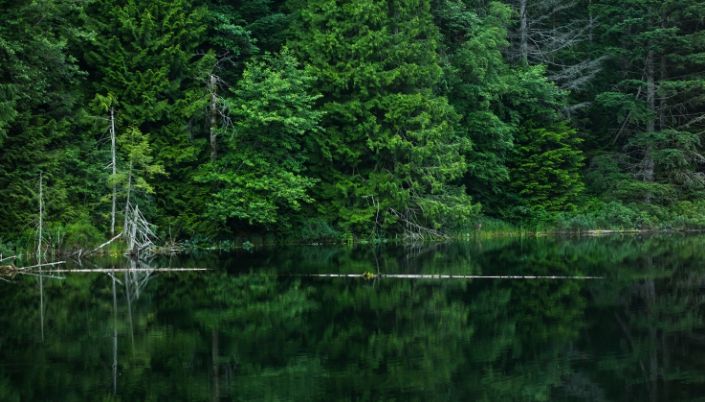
[556,33]
[476,78]
[39,97]
[261,177]
[391,153]
[145,56]
[650,106]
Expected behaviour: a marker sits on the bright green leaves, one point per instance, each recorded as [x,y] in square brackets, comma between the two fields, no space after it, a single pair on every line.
[391,152]
[262,178]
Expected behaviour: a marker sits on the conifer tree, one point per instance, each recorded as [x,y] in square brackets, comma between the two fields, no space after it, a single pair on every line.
[650,104]
[261,176]
[390,154]
[40,95]
[145,55]
[546,175]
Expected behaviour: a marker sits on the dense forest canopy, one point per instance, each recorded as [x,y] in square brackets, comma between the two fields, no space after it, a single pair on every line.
[329,119]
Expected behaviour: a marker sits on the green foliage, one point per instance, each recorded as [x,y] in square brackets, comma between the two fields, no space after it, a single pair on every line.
[262,177]
[39,95]
[391,151]
[80,234]
[477,78]
[143,55]
[428,113]
[546,177]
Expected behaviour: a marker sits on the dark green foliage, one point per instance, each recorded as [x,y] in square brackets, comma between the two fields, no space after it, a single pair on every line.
[145,58]
[386,118]
[476,79]
[546,171]
[648,106]
[39,99]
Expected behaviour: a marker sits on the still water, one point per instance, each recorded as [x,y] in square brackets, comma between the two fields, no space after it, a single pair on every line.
[257,327]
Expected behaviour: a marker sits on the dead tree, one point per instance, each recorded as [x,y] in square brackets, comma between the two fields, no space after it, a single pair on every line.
[648,161]
[546,28]
[113,165]
[40,227]
[137,231]
[212,128]
[217,113]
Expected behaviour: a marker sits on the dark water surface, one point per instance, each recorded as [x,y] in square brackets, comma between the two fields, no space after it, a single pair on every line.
[256,328]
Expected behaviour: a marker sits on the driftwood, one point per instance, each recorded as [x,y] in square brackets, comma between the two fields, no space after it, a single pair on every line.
[370,275]
[128,270]
[11,270]
[7,258]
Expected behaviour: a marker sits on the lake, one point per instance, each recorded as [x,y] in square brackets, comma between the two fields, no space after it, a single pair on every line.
[259,327]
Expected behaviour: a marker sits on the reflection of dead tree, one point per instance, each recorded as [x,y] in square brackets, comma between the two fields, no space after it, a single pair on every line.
[115,337]
[137,277]
[414,251]
[39,252]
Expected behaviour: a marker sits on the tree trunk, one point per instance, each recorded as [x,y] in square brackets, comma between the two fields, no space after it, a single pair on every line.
[41,219]
[648,161]
[651,92]
[125,227]
[523,33]
[114,166]
[213,89]
[591,22]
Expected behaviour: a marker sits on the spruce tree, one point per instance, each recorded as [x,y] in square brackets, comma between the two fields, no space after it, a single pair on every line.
[40,98]
[391,155]
[145,57]
[648,108]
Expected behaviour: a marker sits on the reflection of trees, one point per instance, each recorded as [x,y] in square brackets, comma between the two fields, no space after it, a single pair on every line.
[523,348]
[654,310]
[262,336]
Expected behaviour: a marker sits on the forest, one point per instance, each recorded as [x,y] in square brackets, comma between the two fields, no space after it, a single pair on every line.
[347,120]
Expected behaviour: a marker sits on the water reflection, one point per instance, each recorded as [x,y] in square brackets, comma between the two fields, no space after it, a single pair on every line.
[254,329]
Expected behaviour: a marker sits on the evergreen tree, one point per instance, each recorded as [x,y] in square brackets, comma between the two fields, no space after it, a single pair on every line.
[391,153]
[145,57]
[546,172]
[40,95]
[649,106]
[261,177]
[476,78]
